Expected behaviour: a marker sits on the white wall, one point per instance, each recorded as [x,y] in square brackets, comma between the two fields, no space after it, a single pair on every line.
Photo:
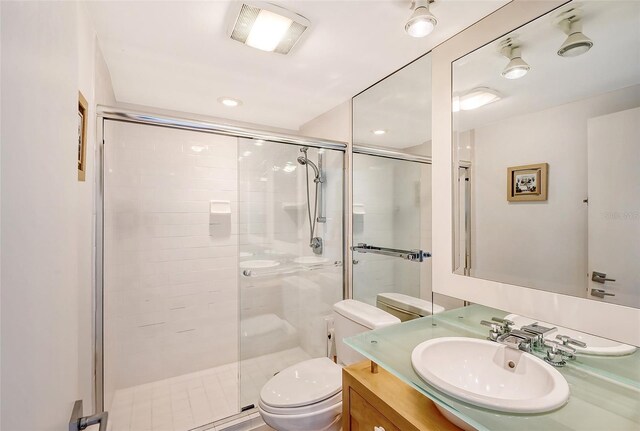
[537,244]
[49,53]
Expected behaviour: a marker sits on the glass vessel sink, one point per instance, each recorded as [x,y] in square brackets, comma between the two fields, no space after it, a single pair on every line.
[490,375]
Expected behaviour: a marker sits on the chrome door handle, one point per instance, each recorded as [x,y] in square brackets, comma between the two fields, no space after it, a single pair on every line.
[599,293]
[600,277]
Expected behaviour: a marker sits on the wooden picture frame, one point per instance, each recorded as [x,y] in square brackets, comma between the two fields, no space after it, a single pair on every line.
[83,112]
[527,183]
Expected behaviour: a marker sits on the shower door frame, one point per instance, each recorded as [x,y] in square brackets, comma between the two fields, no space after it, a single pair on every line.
[104,113]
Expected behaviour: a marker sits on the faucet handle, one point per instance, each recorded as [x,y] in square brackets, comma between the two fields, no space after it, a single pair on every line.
[505,323]
[493,325]
[566,340]
[556,347]
[557,352]
[496,329]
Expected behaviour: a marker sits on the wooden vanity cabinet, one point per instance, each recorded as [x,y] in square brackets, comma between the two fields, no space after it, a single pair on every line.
[379,401]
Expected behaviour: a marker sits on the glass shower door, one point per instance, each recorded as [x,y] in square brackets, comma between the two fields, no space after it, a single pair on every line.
[287,288]
[392,209]
[170,277]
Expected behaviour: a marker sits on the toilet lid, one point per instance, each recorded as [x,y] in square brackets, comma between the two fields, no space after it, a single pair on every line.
[302,384]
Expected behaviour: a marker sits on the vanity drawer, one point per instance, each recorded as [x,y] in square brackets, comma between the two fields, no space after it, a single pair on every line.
[365,417]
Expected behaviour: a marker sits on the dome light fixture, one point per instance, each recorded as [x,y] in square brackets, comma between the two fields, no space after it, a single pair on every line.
[576,42]
[517,67]
[474,99]
[422,21]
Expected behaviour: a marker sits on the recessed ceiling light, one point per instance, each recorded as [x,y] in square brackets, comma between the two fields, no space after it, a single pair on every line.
[517,67]
[230,102]
[268,27]
[246,153]
[379,132]
[421,22]
[259,142]
[475,99]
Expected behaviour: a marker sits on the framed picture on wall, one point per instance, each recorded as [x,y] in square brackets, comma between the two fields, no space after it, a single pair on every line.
[527,183]
[82,136]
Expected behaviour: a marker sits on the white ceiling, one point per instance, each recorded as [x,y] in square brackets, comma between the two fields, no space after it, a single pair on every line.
[176,55]
[612,63]
[401,103]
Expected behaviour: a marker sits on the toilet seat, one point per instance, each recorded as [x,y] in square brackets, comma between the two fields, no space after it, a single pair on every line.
[305,396]
[306,384]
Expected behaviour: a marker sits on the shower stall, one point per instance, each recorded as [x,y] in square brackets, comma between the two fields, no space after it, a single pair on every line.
[220,255]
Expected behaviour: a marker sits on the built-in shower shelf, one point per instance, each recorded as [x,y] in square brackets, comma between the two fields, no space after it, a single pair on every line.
[294,206]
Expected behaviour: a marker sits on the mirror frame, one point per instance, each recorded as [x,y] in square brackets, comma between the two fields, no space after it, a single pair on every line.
[616,322]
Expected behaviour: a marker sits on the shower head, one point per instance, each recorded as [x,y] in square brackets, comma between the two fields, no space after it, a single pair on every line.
[303,160]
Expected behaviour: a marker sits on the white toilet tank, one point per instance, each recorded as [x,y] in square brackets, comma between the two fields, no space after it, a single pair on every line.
[352,317]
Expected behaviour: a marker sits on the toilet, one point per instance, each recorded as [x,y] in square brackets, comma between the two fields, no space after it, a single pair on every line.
[308,396]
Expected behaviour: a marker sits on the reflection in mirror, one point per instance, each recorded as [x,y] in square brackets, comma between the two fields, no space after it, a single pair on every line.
[549,118]
[392,192]
[392,209]
[395,113]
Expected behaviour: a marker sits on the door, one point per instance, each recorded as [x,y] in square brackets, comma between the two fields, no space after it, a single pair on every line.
[287,288]
[614,207]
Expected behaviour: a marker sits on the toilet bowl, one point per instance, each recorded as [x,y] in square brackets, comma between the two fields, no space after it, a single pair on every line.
[307,396]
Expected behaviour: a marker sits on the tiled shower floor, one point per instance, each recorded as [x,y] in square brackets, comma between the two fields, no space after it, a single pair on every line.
[192,400]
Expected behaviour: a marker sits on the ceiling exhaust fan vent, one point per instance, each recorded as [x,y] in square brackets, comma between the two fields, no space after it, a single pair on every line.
[268,27]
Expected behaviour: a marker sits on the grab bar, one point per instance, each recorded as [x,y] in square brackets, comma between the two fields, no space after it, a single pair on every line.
[412,255]
[293,270]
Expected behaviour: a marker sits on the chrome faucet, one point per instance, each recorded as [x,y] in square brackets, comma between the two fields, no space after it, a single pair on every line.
[537,332]
[517,339]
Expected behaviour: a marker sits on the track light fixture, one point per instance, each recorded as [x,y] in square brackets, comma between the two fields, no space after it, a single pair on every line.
[576,42]
[517,67]
[421,22]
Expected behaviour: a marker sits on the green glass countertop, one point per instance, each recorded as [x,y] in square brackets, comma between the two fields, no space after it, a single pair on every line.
[605,391]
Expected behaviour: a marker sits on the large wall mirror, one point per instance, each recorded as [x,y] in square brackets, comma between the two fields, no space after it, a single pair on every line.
[392,192]
[546,124]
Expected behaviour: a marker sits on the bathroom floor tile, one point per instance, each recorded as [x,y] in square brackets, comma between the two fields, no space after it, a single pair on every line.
[191,400]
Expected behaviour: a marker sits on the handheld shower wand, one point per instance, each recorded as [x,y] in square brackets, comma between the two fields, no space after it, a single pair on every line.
[314,242]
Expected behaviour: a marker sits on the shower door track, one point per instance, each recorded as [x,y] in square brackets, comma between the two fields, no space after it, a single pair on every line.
[397,155]
[111,113]
[130,116]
